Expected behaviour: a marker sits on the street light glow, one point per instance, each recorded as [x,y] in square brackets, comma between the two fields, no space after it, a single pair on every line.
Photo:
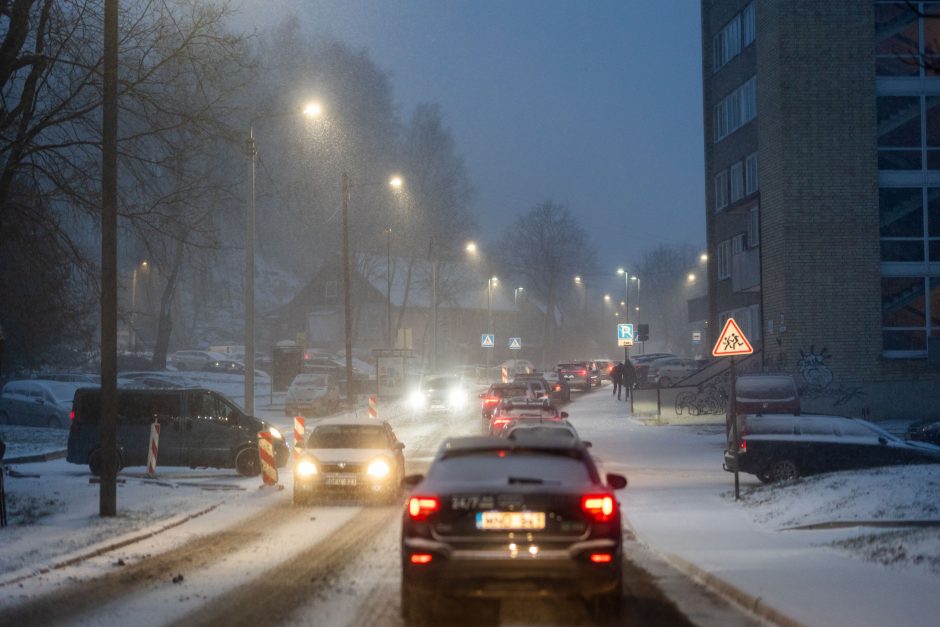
[312,109]
[577,279]
[495,280]
[691,277]
[703,257]
[396,182]
[607,297]
[620,270]
[471,248]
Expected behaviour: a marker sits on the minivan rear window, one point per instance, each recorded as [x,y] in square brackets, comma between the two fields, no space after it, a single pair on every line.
[765,388]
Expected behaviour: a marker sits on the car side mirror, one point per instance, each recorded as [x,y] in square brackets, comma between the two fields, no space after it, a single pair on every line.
[410,481]
[615,481]
[564,414]
[398,446]
[586,443]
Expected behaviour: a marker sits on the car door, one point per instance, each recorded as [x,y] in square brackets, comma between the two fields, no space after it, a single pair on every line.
[207,430]
[15,402]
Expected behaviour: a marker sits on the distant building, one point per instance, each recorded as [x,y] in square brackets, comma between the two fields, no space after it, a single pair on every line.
[822,163]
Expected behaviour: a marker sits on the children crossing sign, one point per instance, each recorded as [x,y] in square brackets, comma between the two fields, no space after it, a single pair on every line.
[624,335]
[732,341]
[487,340]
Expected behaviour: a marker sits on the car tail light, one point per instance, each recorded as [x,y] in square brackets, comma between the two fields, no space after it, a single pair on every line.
[583,372]
[490,400]
[420,507]
[558,387]
[72,415]
[598,506]
[421,558]
[602,558]
[501,422]
[742,446]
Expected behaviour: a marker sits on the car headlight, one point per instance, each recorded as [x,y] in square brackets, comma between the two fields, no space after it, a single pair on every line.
[416,399]
[457,398]
[306,468]
[275,433]
[378,469]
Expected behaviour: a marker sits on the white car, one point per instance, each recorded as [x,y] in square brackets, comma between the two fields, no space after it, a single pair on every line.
[311,393]
[350,457]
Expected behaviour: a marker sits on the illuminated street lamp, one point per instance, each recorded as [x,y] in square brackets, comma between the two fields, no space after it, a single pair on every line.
[606,298]
[143,266]
[471,248]
[691,277]
[577,279]
[490,283]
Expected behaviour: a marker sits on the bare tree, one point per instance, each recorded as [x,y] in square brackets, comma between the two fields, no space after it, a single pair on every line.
[547,246]
[663,272]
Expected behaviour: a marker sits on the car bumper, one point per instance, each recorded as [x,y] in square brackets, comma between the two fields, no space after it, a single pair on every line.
[497,572]
[351,485]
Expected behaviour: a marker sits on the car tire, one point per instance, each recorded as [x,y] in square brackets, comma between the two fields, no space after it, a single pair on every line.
[247,462]
[95,463]
[783,470]
[607,609]
[765,477]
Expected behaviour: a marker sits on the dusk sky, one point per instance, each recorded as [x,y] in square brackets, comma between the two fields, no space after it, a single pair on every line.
[596,105]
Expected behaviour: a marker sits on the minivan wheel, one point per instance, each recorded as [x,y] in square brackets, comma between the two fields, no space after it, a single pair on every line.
[247,462]
[783,470]
[95,463]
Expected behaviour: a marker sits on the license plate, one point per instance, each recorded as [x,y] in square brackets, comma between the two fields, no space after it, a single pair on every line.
[340,480]
[510,521]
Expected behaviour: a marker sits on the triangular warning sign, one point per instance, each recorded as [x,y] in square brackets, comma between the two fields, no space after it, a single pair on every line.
[732,341]
[487,341]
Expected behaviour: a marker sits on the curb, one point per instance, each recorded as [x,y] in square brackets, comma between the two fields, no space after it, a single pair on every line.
[719,586]
[33,459]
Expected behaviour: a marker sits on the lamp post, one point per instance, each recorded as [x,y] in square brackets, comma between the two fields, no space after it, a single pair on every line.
[142,266]
[626,304]
[388,286]
[637,279]
[489,315]
[311,109]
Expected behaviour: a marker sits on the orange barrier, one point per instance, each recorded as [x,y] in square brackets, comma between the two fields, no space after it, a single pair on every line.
[298,434]
[373,406]
[154,446]
[266,454]
[505,375]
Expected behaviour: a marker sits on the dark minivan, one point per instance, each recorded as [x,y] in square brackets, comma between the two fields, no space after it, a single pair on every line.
[198,428]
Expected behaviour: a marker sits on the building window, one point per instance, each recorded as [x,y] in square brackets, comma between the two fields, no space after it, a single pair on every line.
[737,181]
[751,184]
[905,312]
[737,244]
[330,289]
[724,260]
[736,109]
[753,227]
[736,35]
[907,44]
[721,190]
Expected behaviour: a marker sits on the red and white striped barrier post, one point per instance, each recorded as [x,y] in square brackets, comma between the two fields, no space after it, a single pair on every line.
[505,375]
[266,454]
[152,451]
[373,406]
[298,434]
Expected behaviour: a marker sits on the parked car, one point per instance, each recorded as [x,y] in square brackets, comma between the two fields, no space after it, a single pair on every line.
[194,361]
[198,428]
[924,431]
[439,393]
[766,393]
[577,374]
[311,394]
[641,364]
[37,403]
[665,371]
[782,447]
[349,456]
[517,411]
[603,367]
[552,527]
[71,377]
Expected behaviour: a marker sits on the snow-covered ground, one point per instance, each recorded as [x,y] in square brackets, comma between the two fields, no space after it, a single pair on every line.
[679,502]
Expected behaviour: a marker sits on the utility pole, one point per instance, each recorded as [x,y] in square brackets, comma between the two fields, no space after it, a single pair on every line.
[350,397]
[107,505]
[252,151]
[388,287]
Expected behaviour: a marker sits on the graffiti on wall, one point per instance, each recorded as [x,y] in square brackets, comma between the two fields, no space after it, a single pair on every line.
[819,381]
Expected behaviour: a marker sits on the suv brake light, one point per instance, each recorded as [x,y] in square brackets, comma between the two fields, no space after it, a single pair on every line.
[742,446]
[72,415]
[420,507]
[490,400]
[583,372]
[598,506]
[500,422]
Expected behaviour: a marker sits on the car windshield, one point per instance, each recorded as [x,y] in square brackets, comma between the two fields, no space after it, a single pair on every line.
[442,382]
[510,392]
[555,433]
[347,436]
[570,366]
[563,466]
[765,388]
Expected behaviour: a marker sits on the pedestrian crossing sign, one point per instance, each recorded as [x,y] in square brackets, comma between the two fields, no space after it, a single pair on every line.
[487,340]
[515,343]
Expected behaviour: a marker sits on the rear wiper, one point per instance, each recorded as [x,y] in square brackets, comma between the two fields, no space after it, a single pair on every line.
[535,480]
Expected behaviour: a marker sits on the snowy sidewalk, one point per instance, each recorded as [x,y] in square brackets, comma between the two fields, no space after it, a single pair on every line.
[680,503]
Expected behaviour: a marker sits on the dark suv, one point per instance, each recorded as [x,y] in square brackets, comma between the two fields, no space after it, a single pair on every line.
[491,398]
[198,428]
[577,374]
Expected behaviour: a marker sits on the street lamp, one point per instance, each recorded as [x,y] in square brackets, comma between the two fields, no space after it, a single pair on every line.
[691,277]
[311,110]
[489,313]
[144,266]
[471,248]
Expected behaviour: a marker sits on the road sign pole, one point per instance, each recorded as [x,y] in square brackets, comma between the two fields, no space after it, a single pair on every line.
[736,437]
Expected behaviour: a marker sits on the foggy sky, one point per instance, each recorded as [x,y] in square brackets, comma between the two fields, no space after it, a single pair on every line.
[596,105]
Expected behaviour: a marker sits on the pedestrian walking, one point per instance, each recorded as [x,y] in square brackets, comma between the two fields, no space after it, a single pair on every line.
[616,376]
[628,378]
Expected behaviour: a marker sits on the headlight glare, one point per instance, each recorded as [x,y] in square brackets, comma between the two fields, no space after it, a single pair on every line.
[275,433]
[306,468]
[416,399]
[378,468]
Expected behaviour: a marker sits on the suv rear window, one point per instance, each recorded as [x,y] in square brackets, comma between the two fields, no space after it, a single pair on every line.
[558,467]
[765,388]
